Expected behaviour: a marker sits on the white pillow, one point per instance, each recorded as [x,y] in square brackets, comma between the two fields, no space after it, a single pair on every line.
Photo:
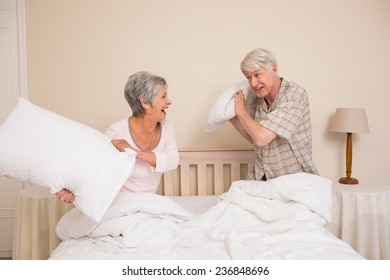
[223,108]
[46,149]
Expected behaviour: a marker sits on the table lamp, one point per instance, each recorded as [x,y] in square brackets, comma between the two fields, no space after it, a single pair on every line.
[349,120]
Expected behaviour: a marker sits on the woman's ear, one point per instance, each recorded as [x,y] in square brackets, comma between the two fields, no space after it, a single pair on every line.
[144,103]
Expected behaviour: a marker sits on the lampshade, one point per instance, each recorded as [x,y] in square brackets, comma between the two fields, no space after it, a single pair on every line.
[349,120]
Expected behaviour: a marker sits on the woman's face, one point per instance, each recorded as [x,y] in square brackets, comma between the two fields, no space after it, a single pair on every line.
[160,103]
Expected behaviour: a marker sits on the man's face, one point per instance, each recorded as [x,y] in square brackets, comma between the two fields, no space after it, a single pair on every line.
[261,81]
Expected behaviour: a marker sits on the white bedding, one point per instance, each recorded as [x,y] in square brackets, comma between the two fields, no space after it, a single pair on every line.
[283,218]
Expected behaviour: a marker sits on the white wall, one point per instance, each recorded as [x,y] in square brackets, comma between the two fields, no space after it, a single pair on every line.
[80,53]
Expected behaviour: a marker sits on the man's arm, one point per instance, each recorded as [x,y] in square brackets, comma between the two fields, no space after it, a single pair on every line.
[238,126]
[250,129]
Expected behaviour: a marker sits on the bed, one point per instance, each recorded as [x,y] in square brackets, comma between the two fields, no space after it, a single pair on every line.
[206,210]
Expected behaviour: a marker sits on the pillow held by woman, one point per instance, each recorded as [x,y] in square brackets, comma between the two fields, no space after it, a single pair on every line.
[43,148]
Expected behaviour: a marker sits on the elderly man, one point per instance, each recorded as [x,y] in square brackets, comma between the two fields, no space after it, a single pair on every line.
[278,124]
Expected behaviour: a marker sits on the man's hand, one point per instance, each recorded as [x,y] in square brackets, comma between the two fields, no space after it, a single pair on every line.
[239,103]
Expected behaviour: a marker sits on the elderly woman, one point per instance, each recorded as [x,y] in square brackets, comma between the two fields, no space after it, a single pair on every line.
[147,132]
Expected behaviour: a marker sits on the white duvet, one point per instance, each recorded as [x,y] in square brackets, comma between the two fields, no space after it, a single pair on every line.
[282,218]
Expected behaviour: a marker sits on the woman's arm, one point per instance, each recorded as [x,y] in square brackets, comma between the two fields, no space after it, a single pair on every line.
[168,158]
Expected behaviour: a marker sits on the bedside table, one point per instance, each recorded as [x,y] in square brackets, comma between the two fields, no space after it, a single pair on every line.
[361,217]
[37,214]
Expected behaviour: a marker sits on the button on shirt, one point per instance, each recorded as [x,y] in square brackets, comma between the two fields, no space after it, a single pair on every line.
[289,118]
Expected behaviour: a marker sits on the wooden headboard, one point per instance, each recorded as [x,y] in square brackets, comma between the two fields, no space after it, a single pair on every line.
[206,171]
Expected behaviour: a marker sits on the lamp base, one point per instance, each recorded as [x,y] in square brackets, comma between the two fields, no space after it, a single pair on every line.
[348,181]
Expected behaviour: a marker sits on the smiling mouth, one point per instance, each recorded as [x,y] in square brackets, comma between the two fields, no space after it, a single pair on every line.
[260,88]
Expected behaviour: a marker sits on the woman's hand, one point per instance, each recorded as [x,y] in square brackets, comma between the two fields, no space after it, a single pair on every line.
[65,195]
[120,144]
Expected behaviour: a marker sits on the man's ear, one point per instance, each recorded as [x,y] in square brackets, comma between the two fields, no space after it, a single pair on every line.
[275,70]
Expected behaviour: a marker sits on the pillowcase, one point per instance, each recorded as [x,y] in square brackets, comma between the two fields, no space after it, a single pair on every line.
[223,108]
[46,149]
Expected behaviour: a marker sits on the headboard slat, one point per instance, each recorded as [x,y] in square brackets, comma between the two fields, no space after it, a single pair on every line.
[184,179]
[202,183]
[168,183]
[218,179]
[235,171]
[192,176]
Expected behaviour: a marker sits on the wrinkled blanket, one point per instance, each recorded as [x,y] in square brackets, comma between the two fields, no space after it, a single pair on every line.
[282,218]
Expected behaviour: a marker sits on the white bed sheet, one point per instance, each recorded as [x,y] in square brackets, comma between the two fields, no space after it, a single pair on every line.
[282,218]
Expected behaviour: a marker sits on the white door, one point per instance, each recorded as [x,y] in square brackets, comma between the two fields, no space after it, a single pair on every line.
[12,86]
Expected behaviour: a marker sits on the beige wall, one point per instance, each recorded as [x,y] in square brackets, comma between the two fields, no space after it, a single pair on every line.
[80,53]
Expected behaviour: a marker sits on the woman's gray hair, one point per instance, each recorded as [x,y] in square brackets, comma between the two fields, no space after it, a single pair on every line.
[258,58]
[142,84]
